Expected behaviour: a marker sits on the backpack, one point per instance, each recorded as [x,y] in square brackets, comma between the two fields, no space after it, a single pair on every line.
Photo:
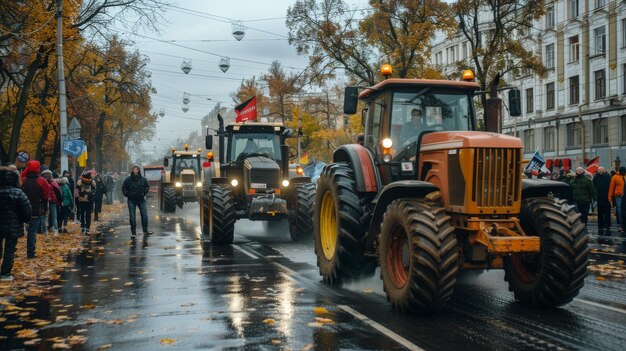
[85,192]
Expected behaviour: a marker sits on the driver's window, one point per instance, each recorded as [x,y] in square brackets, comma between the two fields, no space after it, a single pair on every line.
[373,128]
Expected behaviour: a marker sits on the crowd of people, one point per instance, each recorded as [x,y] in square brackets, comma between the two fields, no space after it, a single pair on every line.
[44,202]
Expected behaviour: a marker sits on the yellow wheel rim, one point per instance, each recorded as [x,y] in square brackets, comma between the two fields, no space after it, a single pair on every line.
[328,226]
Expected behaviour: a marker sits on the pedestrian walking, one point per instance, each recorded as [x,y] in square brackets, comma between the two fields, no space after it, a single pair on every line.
[55,203]
[602,182]
[583,193]
[135,188]
[37,190]
[67,203]
[86,188]
[616,191]
[15,210]
[100,191]
[109,183]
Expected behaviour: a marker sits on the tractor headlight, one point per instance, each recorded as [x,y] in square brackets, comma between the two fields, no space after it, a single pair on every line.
[386,157]
[178,184]
[199,184]
[285,183]
[234,182]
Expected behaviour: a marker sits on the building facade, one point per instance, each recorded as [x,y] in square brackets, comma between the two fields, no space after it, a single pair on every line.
[578,111]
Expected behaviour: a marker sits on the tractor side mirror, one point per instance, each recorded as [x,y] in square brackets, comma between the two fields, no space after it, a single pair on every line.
[288,133]
[166,162]
[350,100]
[208,142]
[515,103]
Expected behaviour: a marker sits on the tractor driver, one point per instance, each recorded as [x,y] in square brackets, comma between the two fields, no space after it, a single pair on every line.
[411,129]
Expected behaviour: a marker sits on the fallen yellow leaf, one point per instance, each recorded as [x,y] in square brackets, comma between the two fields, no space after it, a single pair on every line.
[600,278]
[76,339]
[324,320]
[32,342]
[167,341]
[61,345]
[12,326]
[320,310]
[105,347]
[269,321]
[26,334]
[129,284]
[89,306]
[276,342]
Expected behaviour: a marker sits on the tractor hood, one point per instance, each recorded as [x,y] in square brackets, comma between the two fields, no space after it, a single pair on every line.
[260,162]
[467,139]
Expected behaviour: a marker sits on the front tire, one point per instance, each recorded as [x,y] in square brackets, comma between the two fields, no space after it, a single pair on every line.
[169,200]
[554,276]
[301,223]
[339,229]
[206,216]
[224,216]
[418,255]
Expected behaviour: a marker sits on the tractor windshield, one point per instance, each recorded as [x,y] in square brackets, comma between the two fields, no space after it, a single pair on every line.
[427,110]
[183,162]
[254,144]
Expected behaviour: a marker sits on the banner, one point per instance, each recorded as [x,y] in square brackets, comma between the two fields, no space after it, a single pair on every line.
[246,111]
[304,158]
[592,166]
[82,159]
[536,163]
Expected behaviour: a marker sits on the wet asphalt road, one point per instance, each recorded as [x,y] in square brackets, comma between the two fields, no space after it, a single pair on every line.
[264,293]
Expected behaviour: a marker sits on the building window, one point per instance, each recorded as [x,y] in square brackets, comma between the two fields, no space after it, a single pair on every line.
[550,98]
[573,135]
[550,56]
[550,17]
[548,138]
[624,33]
[451,53]
[438,58]
[574,49]
[600,80]
[464,53]
[574,90]
[624,79]
[529,140]
[601,131]
[572,7]
[600,40]
[600,3]
[623,129]
[530,101]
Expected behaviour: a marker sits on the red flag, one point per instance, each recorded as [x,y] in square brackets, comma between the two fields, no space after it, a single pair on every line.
[246,111]
[592,166]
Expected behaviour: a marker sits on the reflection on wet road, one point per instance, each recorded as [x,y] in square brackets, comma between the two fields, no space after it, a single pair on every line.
[264,292]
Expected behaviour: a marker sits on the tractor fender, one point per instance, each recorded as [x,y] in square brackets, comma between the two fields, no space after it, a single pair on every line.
[362,161]
[403,189]
[545,187]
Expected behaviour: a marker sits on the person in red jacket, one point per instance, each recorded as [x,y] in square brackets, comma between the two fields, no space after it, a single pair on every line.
[37,190]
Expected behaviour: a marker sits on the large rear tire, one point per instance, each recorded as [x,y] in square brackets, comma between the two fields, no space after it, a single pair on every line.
[301,222]
[224,216]
[418,255]
[554,276]
[169,200]
[339,233]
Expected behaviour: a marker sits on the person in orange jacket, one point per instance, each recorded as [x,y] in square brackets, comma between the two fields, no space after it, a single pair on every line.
[616,191]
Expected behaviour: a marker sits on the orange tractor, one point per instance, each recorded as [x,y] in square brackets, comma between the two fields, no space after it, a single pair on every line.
[428,195]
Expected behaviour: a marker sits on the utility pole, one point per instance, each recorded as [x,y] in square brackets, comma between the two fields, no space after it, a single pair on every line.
[61,82]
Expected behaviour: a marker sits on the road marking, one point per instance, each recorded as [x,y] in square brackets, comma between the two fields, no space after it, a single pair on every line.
[610,308]
[246,252]
[390,334]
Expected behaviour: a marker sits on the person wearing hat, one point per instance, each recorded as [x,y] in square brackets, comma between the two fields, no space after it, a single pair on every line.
[54,204]
[135,188]
[616,191]
[86,188]
[583,193]
[360,139]
[37,190]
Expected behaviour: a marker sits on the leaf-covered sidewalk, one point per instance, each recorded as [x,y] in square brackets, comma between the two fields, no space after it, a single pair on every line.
[38,277]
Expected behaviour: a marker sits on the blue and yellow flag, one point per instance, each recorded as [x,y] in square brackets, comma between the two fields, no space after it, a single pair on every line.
[82,159]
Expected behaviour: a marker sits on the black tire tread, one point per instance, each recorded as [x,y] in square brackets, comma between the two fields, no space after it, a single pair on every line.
[169,200]
[224,215]
[565,251]
[303,221]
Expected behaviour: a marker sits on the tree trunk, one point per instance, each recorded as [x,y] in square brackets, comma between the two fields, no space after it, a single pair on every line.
[56,153]
[20,113]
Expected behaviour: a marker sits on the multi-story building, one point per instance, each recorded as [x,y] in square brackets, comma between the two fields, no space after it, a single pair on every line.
[577,111]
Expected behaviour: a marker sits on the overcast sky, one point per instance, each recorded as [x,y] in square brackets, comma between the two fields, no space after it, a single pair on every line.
[202,32]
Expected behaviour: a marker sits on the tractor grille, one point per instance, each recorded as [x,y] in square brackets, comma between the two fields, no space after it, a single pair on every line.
[264,176]
[497,174]
[187,178]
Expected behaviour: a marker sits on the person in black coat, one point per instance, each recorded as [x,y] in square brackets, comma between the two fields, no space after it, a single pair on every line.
[135,188]
[15,210]
[101,189]
[601,182]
